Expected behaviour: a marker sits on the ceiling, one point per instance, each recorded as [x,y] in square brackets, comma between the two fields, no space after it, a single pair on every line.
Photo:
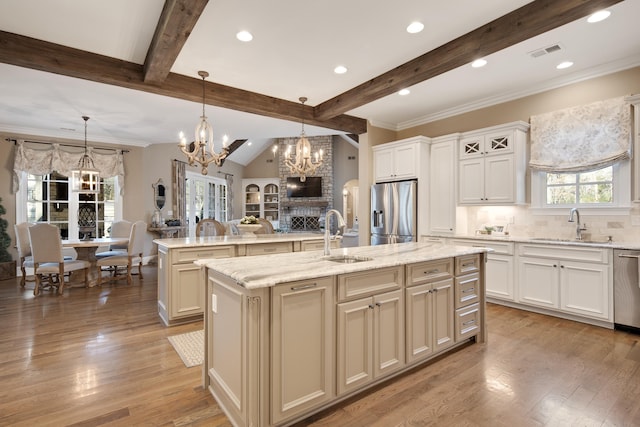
[296,45]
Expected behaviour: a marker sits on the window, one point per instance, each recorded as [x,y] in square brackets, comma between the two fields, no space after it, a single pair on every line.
[46,198]
[608,187]
[206,198]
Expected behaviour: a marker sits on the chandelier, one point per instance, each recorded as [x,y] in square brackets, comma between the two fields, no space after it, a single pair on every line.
[202,151]
[85,178]
[302,163]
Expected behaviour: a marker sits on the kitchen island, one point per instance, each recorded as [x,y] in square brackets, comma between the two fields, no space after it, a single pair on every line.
[291,334]
[180,282]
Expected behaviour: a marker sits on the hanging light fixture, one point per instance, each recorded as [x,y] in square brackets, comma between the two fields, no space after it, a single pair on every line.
[85,178]
[303,164]
[203,149]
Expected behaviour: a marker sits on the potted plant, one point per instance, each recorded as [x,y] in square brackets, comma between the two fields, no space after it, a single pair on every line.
[7,263]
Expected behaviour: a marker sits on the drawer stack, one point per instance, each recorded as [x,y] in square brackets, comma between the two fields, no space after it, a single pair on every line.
[467,297]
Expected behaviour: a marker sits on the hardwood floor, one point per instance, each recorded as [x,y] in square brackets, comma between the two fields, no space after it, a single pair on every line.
[100,357]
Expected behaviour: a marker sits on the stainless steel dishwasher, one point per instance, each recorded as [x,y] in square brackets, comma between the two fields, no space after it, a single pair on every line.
[626,289]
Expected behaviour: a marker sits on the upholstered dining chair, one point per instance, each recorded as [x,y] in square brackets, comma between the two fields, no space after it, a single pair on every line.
[24,249]
[267,227]
[118,229]
[209,227]
[131,257]
[48,259]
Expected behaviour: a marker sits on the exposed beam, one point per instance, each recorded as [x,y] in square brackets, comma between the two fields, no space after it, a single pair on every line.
[233,147]
[53,58]
[174,27]
[524,23]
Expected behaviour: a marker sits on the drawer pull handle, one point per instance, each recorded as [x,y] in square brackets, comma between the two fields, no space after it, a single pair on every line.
[469,322]
[434,271]
[269,249]
[468,264]
[209,255]
[302,287]
[464,291]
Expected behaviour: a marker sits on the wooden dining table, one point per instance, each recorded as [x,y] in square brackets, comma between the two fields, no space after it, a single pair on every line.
[86,250]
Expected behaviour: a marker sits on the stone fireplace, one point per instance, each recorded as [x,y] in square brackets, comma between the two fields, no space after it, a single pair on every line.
[306,213]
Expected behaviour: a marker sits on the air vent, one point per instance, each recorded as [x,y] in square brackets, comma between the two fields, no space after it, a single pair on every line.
[545,50]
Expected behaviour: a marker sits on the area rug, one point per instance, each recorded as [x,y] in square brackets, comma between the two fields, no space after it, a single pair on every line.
[190,347]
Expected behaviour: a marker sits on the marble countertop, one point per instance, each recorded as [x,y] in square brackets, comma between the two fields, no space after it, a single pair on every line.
[189,242]
[545,241]
[269,270]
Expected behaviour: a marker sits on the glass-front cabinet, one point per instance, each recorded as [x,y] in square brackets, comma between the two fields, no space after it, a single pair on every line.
[262,199]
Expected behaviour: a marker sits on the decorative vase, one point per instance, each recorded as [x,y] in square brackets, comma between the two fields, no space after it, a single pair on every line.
[248,229]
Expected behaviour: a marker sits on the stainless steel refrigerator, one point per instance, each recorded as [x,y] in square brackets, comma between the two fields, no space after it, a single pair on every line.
[393,212]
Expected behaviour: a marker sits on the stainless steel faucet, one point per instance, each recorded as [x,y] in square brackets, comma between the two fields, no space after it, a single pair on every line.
[327,232]
[579,228]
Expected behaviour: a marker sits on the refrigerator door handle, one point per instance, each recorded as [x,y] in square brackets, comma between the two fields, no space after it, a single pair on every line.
[377,218]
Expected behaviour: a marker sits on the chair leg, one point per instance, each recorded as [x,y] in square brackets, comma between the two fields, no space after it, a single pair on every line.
[24,273]
[99,269]
[140,268]
[36,290]
[86,277]
[129,274]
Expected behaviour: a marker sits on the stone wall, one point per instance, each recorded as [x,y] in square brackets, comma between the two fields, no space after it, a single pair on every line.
[311,209]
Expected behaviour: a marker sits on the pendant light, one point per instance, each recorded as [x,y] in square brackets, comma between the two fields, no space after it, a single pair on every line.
[303,164]
[203,149]
[85,178]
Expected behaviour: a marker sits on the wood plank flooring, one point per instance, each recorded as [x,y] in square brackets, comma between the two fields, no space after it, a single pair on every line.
[100,357]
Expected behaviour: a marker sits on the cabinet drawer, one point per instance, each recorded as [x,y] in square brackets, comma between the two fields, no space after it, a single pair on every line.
[466,290]
[562,252]
[499,248]
[467,264]
[190,255]
[269,248]
[366,283]
[429,271]
[467,322]
[318,245]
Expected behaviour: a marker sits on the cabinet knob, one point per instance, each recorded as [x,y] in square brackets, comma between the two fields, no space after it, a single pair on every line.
[378,304]
[554,265]
[562,266]
[371,306]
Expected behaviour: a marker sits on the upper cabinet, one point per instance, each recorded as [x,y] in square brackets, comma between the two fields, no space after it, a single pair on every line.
[492,165]
[262,198]
[442,176]
[399,160]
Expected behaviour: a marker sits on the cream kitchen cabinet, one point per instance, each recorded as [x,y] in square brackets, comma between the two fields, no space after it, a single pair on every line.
[370,330]
[399,160]
[492,165]
[429,301]
[262,198]
[303,350]
[572,280]
[443,179]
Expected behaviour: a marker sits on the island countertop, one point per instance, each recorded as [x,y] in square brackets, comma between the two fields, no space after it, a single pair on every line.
[189,242]
[270,270]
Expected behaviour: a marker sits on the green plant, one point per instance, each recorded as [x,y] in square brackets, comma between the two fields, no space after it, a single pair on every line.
[5,240]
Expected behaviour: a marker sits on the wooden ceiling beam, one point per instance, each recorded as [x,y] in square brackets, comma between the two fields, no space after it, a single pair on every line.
[524,23]
[53,58]
[174,27]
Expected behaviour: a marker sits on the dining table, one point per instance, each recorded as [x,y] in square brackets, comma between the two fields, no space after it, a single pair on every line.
[86,249]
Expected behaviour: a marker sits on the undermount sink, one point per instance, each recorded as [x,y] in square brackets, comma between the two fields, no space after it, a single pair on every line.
[552,239]
[347,259]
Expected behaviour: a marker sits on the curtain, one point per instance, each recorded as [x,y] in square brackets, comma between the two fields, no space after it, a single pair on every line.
[582,138]
[229,179]
[55,159]
[179,191]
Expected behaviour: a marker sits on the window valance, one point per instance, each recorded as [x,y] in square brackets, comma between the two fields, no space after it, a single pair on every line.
[55,159]
[581,138]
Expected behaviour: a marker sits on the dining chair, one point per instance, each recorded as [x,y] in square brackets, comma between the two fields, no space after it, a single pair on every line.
[120,229]
[209,227]
[48,259]
[133,255]
[24,249]
[267,227]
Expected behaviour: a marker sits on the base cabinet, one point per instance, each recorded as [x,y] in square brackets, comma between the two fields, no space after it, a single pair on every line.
[302,359]
[370,339]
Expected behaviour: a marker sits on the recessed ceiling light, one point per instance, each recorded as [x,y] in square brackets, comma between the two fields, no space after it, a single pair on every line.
[415,27]
[340,69]
[403,92]
[244,36]
[600,15]
[249,143]
[563,65]
[479,63]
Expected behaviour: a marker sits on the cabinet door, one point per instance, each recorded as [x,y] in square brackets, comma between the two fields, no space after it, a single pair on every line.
[471,147]
[471,182]
[499,276]
[163,285]
[404,162]
[442,192]
[383,164]
[187,290]
[538,282]
[302,362]
[419,321]
[498,143]
[388,333]
[354,344]
[443,323]
[499,179]
[585,289]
